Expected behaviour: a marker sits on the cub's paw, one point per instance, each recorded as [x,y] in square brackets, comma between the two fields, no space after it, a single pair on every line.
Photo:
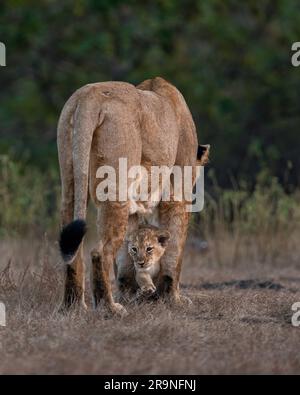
[146,293]
[148,289]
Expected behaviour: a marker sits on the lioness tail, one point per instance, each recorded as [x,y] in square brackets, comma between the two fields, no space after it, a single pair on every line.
[70,239]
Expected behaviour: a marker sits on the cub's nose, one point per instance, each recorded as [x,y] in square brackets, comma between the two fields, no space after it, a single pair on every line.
[141,263]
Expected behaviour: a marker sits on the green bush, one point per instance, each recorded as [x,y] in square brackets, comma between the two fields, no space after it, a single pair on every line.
[266,209]
[28,198]
[30,201]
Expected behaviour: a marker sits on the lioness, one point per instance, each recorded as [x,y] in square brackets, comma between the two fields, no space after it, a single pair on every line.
[149,124]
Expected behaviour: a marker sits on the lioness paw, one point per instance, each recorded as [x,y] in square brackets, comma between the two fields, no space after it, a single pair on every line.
[118,309]
[181,300]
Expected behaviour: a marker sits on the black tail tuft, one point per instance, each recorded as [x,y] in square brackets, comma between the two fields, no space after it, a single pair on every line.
[70,238]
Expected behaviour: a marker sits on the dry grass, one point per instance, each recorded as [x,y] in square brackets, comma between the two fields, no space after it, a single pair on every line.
[233,326]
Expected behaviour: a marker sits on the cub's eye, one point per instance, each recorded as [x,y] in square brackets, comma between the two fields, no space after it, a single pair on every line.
[149,250]
[134,250]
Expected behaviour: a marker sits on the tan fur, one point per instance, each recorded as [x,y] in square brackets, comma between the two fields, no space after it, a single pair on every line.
[149,125]
[146,246]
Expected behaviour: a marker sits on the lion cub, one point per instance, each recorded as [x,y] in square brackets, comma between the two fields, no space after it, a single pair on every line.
[146,246]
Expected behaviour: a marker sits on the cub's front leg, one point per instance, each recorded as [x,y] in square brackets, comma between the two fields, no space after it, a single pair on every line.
[144,280]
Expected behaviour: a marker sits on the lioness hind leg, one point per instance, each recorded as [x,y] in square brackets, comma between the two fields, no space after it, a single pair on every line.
[112,224]
[74,282]
[74,271]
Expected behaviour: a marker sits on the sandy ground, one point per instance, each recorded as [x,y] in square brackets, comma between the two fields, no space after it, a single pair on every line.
[240,320]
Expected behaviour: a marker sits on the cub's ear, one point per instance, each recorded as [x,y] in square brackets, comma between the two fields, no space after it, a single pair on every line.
[203,154]
[163,237]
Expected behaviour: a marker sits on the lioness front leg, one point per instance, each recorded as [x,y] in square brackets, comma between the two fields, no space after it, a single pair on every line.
[124,271]
[175,218]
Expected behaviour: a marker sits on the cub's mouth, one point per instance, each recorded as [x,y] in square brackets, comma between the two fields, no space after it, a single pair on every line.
[142,266]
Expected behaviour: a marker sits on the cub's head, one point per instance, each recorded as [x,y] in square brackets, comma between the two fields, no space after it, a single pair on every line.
[147,245]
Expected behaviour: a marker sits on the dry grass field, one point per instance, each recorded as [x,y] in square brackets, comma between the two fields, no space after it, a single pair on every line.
[240,321]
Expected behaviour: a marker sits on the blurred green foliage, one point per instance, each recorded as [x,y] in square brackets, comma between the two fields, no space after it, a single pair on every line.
[30,202]
[267,209]
[231,60]
[29,199]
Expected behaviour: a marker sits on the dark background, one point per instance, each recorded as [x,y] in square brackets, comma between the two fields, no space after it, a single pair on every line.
[231,60]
